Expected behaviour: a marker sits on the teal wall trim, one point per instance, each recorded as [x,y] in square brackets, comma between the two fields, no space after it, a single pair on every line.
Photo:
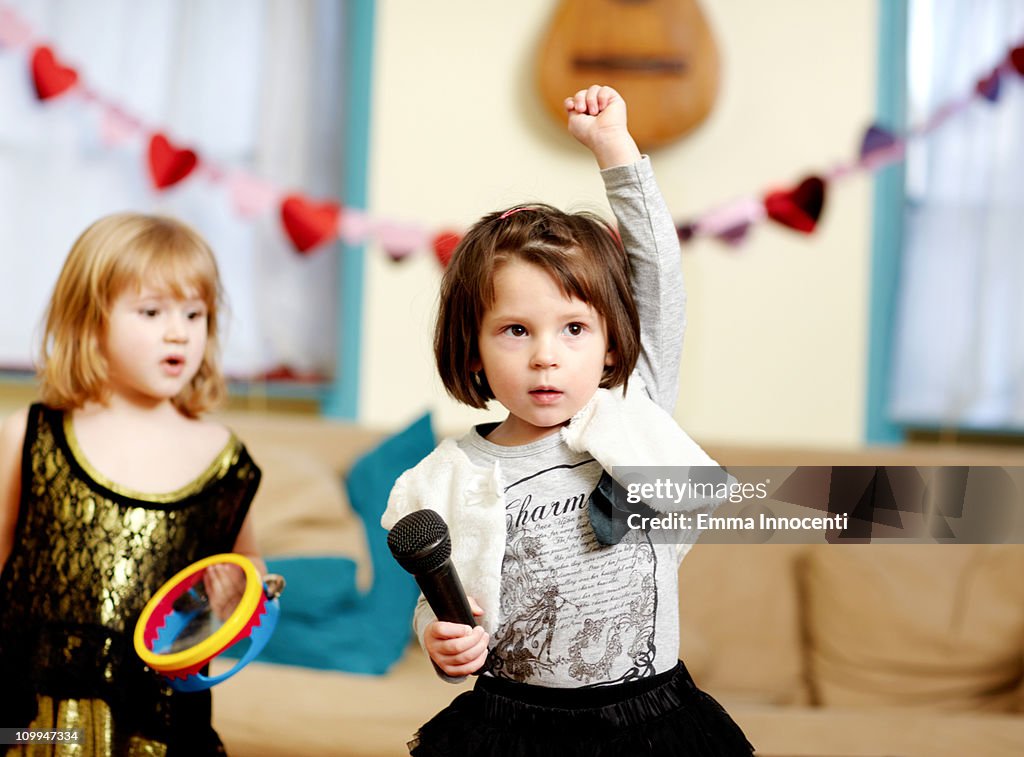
[342,398]
[887,228]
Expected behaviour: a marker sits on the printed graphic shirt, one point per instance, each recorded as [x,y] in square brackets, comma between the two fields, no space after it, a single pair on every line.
[574,612]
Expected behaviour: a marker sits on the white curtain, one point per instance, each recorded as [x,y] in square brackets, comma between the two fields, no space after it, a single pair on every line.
[959,341]
[254,85]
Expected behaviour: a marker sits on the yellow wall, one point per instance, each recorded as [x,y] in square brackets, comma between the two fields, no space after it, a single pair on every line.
[776,347]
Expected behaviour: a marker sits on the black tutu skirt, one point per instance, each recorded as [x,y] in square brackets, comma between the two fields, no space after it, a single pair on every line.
[663,715]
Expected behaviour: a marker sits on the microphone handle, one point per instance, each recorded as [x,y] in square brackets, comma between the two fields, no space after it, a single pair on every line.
[444,593]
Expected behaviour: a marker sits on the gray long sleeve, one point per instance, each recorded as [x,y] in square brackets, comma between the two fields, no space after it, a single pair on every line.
[649,236]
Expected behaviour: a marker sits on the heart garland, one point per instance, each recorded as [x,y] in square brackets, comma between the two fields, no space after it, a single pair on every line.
[309,224]
[800,208]
[50,77]
[169,164]
[797,208]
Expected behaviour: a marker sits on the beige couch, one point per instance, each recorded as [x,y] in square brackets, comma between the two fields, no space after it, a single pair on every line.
[815,650]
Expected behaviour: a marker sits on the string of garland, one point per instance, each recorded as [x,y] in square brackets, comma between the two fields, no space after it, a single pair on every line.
[800,207]
[311,223]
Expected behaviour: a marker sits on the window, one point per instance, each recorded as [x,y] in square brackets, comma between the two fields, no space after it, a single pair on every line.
[957,339]
[256,88]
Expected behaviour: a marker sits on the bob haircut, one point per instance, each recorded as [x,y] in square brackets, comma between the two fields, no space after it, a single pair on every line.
[580,250]
[117,253]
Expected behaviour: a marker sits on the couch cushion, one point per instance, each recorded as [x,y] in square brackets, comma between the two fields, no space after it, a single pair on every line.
[325,621]
[739,614]
[272,710]
[372,476]
[334,443]
[301,508]
[916,625]
[822,732]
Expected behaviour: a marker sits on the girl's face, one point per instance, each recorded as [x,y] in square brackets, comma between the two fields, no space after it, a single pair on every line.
[154,345]
[543,353]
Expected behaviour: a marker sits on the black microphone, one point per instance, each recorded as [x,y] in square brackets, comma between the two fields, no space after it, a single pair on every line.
[421,544]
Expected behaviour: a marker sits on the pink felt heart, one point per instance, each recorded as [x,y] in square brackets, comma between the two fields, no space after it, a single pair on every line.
[168,164]
[116,128]
[309,224]
[354,227]
[739,214]
[50,77]
[400,240]
[250,195]
[734,235]
[797,208]
[13,31]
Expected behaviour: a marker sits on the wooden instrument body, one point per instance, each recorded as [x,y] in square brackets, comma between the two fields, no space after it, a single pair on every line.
[659,54]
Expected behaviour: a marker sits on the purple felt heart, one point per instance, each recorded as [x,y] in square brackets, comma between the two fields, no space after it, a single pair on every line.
[735,235]
[875,139]
[988,87]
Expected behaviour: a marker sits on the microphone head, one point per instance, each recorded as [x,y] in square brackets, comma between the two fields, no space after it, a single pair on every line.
[420,542]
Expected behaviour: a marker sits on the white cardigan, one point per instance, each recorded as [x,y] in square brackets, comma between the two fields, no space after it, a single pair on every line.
[618,428]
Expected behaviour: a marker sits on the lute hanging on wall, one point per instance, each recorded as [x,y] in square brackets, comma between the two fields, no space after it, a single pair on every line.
[659,54]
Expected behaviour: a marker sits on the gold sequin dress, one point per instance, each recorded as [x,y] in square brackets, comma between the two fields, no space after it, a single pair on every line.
[88,554]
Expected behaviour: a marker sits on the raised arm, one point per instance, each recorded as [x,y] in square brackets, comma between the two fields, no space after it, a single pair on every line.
[597,118]
[12,439]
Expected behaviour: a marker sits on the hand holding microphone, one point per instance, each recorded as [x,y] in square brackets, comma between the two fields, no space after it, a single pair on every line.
[421,544]
[457,649]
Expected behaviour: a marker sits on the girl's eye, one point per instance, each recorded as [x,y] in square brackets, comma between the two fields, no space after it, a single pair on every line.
[150,312]
[196,314]
[574,329]
[516,330]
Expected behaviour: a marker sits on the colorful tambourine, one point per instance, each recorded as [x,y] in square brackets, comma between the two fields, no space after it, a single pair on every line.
[178,632]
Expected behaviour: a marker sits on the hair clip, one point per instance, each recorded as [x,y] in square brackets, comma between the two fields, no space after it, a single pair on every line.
[513,211]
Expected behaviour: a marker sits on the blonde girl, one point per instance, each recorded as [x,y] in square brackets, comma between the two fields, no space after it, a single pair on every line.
[113,483]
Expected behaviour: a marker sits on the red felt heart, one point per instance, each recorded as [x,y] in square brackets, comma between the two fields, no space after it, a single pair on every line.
[50,77]
[444,245]
[797,208]
[1017,59]
[167,164]
[309,224]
